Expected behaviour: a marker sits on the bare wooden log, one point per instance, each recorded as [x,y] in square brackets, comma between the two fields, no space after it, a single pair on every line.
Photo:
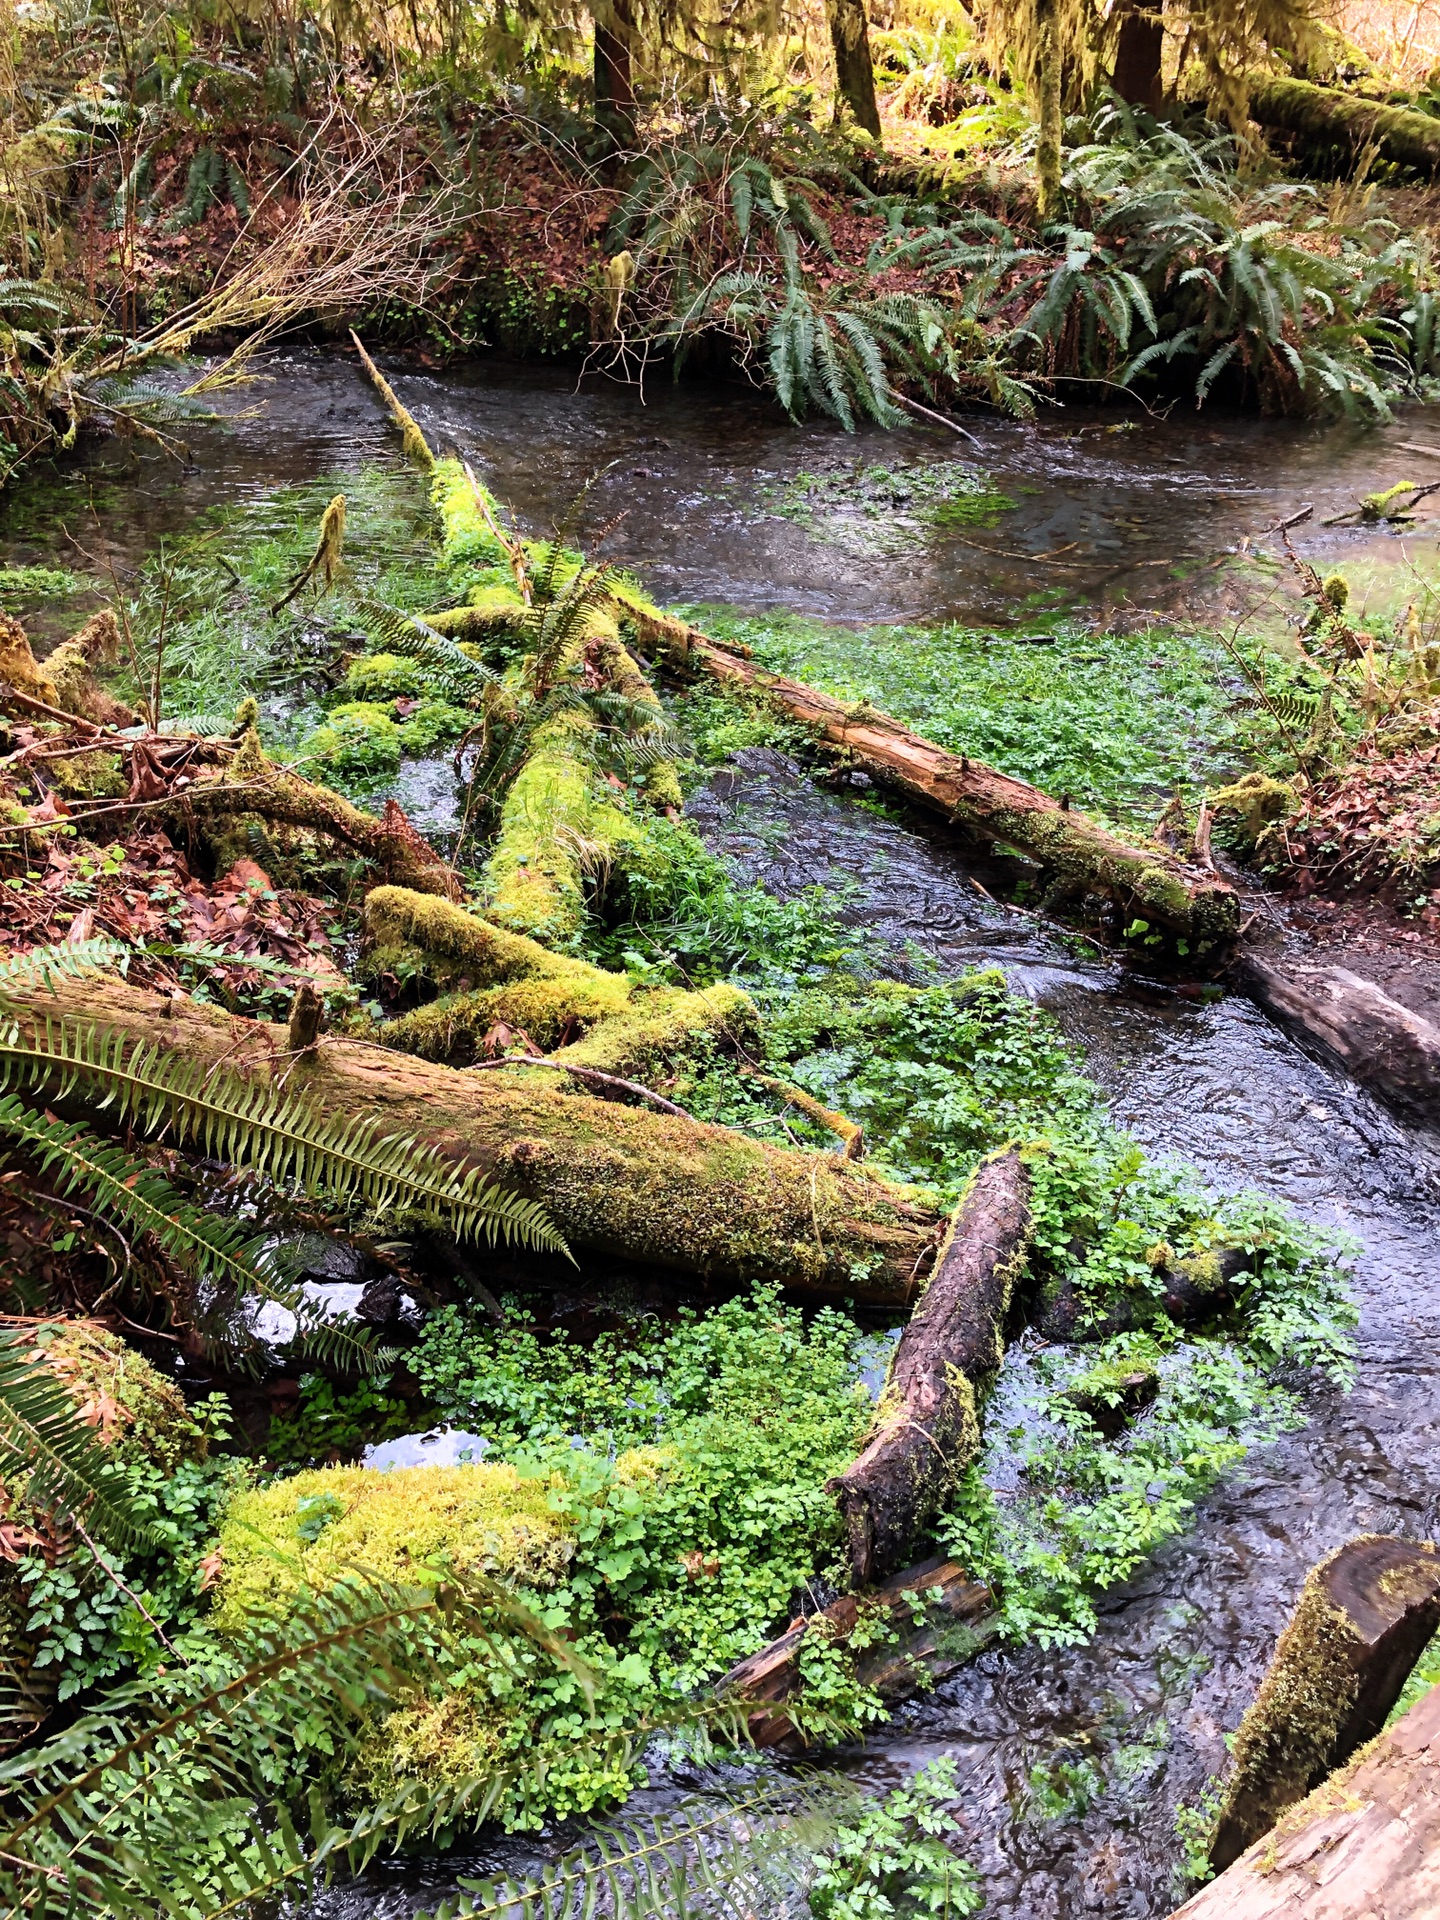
[1364,1846]
[1147,880]
[926,1428]
[951,1630]
[1364,1617]
[616,1180]
[1333,118]
[1357,1024]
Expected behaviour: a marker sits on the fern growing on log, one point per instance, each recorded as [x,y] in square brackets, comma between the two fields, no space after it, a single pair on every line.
[66,1468]
[447,666]
[253,1123]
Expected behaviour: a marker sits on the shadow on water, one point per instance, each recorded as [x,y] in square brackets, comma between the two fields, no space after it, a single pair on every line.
[1073,1760]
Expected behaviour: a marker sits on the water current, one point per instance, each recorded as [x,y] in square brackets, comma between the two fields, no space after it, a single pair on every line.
[1140,517]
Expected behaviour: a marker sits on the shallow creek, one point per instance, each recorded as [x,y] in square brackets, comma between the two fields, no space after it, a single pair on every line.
[1129,1726]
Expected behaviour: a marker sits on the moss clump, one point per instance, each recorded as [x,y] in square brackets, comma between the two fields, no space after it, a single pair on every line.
[358,738]
[406,1525]
[96,775]
[132,1407]
[382,676]
[1255,803]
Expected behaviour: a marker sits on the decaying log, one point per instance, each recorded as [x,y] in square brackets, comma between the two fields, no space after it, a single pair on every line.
[1146,880]
[950,1632]
[1355,1023]
[926,1428]
[1364,1846]
[617,1180]
[1334,118]
[1364,1617]
[1187,1290]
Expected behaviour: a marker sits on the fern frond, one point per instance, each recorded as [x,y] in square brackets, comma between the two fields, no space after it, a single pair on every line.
[447,666]
[249,1122]
[42,966]
[43,1437]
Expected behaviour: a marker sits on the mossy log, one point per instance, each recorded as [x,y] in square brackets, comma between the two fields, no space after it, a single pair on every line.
[1364,1846]
[1364,1617]
[926,1428]
[1146,880]
[252,785]
[1187,1290]
[616,1180]
[914,1654]
[1355,1024]
[578,1013]
[1329,117]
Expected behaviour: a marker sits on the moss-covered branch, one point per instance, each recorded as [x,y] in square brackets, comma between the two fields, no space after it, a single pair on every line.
[1329,117]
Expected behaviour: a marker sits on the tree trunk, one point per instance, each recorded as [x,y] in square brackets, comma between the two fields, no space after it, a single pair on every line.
[1364,1846]
[614,83]
[616,1180]
[1051,127]
[1329,117]
[1146,880]
[927,1428]
[854,71]
[1364,1617]
[920,1654]
[1355,1023]
[1139,52]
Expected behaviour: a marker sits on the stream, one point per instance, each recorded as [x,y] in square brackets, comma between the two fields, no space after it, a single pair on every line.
[1131,1724]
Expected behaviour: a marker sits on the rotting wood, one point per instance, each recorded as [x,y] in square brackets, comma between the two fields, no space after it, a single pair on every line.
[915,1652]
[1365,1845]
[616,1180]
[1356,1024]
[926,1428]
[1146,880]
[1364,1617]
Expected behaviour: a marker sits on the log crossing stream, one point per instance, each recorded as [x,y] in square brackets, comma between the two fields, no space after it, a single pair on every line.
[1131,1724]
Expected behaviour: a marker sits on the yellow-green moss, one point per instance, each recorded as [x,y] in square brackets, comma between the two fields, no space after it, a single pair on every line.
[95,775]
[382,676]
[1257,802]
[358,737]
[133,1408]
[403,1525]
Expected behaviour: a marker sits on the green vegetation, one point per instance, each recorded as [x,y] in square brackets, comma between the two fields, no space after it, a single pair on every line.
[37,582]
[1118,721]
[885,510]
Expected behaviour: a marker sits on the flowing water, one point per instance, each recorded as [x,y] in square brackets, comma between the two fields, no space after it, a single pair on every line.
[1116,521]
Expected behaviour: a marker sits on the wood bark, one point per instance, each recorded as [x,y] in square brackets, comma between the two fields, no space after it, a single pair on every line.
[1050,131]
[1356,1024]
[854,69]
[952,1630]
[1145,880]
[616,1180]
[614,80]
[1139,56]
[1364,1617]
[1364,1846]
[926,1428]
[1326,115]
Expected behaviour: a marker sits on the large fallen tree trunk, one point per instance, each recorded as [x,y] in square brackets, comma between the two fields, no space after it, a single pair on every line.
[951,1627]
[926,1428]
[1147,881]
[1327,117]
[617,1180]
[1356,1024]
[1363,1619]
[1364,1846]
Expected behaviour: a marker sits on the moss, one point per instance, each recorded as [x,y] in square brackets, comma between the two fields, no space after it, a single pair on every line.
[382,676]
[18,666]
[134,1408]
[96,775]
[465,535]
[435,723]
[358,738]
[1257,803]
[407,1525]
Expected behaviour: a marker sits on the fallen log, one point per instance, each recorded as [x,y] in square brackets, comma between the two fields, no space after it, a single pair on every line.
[616,1180]
[910,1655]
[1364,1846]
[1364,1617]
[926,1428]
[1329,117]
[1146,880]
[1356,1024]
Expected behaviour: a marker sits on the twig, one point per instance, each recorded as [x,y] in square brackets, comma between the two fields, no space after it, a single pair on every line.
[1284,526]
[584,1073]
[940,419]
[120,1585]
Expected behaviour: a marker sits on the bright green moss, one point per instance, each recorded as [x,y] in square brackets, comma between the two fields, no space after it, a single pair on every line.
[358,739]
[382,676]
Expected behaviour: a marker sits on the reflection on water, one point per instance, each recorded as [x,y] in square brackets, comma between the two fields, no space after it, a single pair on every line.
[1074,1760]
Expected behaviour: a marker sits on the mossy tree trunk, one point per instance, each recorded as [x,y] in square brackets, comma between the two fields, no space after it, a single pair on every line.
[854,69]
[1363,1619]
[1365,1845]
[927,1426]
[616,1180]
[1327,117]
[1048,80]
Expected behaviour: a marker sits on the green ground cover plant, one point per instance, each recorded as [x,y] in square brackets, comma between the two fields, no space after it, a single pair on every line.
[1118,721]
[886,510]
